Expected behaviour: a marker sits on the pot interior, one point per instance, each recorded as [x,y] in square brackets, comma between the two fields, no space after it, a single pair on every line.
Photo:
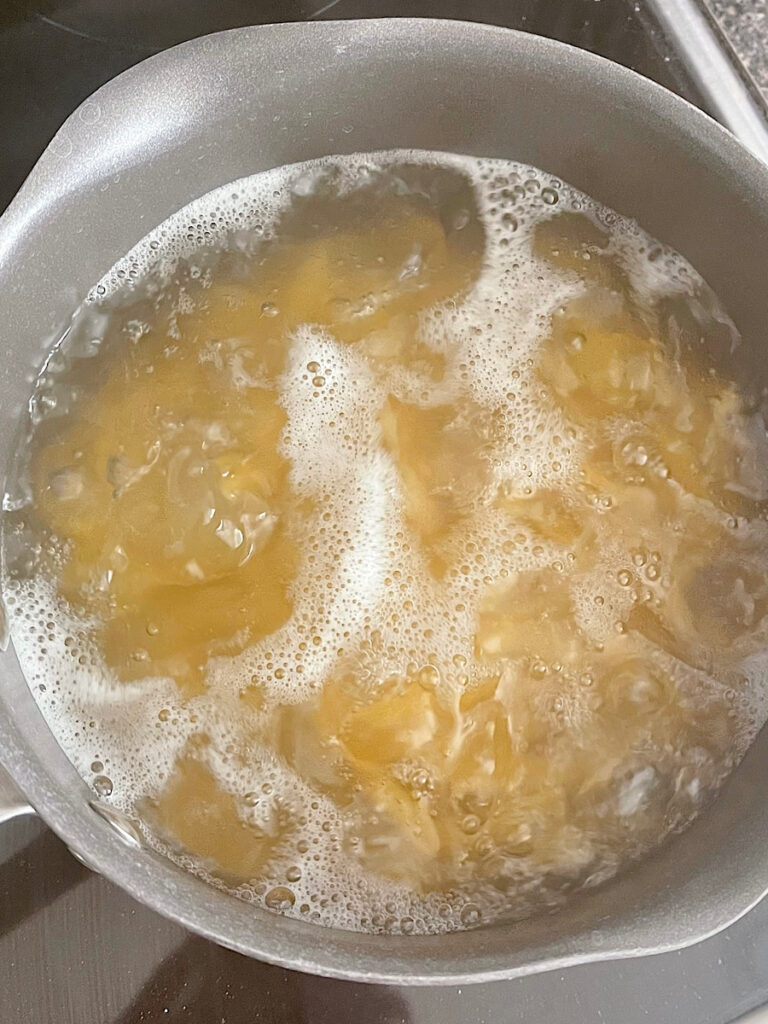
[224,106]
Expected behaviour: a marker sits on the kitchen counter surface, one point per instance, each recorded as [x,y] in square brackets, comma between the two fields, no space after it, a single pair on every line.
[745,22]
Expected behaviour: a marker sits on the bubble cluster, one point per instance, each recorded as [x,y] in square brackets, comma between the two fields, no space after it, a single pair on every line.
[367,599]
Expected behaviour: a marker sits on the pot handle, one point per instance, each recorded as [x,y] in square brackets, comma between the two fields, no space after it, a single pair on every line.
[13,803]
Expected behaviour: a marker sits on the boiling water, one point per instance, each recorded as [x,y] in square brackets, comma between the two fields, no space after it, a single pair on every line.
[386,544]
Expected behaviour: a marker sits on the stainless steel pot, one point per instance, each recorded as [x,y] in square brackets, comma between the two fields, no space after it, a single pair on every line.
[227,105]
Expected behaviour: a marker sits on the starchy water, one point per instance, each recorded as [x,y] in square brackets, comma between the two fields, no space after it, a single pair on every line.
[387,541]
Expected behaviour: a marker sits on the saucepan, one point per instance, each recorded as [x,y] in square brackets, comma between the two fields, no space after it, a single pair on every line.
[217,108]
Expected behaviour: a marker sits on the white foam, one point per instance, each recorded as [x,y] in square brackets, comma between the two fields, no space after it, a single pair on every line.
[333,444]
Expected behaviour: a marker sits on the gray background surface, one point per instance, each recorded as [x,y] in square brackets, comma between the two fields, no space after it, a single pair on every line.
[746,25]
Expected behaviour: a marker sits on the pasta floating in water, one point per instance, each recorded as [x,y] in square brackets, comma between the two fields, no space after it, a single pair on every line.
[383,542]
